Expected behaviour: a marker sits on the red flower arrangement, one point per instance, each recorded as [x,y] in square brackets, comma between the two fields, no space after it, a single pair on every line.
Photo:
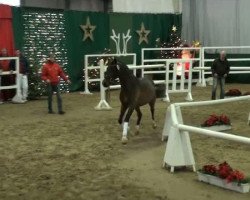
[216,120]
[233,92]
[225,171]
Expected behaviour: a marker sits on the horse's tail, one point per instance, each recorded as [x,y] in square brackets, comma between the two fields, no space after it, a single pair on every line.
[160,90]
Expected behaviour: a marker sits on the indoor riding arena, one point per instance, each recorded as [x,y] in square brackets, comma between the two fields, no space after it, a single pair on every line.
[72,147]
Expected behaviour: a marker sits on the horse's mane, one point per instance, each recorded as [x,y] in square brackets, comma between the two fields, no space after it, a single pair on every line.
[124,68]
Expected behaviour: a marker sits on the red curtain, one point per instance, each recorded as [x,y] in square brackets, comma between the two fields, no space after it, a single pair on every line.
[6,31]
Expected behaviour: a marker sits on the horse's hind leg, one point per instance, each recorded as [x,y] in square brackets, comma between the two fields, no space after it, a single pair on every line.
[139,116]
[152,109]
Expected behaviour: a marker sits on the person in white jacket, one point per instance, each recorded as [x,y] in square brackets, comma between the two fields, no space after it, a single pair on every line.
[23,73]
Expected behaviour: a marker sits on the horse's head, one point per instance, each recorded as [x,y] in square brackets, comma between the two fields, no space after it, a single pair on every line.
[111,73]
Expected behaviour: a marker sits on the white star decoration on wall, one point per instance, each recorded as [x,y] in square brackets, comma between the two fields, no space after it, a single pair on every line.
[88,30]
[143,33]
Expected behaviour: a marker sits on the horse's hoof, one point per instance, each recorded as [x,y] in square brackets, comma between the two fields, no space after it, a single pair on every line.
[124,140]
[137,130]
[154,126]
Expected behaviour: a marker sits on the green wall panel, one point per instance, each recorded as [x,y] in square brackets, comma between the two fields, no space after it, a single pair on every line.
[77,48]
[160,26]
[120,23]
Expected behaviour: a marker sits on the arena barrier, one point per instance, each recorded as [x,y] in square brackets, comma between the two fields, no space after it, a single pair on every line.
[233,70]
[154,51]
[176,80]
[18,97]
[174,85]
[103,104]
[179,149]
[87,79]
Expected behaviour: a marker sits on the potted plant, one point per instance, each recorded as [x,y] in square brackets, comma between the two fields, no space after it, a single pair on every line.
[224,176]
[233,93]
[217,123]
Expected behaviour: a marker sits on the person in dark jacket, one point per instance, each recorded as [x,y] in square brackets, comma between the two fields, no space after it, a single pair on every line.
[220,70]
[51,74]
[23,73]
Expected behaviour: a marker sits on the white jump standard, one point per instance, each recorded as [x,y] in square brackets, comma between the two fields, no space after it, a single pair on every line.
[103,104]
[18,97]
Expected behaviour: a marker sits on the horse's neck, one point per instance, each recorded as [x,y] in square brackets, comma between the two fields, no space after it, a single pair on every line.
[127,79]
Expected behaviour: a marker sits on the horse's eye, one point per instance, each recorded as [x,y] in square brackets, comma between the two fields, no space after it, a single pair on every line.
[107,76]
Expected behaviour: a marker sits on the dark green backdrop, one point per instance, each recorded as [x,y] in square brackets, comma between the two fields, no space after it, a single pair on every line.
[77,48]
[159,25]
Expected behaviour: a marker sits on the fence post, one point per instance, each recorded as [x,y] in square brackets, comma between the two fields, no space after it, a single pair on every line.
[103,104]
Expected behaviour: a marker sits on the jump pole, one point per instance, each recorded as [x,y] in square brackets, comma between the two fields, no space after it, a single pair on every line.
[182,80]
[86,73]
[87,79]
[103,104]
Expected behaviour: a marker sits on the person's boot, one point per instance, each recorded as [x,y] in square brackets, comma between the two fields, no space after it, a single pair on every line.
[61,112]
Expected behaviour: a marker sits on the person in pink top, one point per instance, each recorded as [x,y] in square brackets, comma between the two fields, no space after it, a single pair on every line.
[51,74]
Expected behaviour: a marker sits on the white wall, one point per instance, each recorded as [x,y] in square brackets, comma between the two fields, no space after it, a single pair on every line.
[147,6]
[217,22]
[82,5]
[131,6]
[10,2]
[60,4]
[87,5]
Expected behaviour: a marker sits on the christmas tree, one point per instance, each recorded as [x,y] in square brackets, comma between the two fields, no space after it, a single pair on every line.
[37,87]
[44,32]
[174,42]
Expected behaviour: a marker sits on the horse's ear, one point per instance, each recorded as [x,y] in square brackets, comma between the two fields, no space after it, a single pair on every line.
[114,62]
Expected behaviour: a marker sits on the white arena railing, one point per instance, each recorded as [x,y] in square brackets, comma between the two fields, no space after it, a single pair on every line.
[87,79]
[17,98]
[158,66]
[145,60]
[181,85]
[179,149]
[204,69]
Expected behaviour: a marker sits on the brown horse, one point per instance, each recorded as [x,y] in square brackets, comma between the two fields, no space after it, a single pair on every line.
[134,93]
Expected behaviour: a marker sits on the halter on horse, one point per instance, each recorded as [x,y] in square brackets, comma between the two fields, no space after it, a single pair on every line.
[134,93]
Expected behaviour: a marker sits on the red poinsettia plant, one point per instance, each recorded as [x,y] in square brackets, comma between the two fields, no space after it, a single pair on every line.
[233,92]
[216,120]
[225,171]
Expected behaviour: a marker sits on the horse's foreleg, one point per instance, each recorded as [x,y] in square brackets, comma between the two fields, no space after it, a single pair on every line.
[139,116]
[122,112]
[125,125]
[152,109]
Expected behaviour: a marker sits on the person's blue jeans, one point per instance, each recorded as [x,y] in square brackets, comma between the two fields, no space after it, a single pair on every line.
[51,90]
[221,82]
